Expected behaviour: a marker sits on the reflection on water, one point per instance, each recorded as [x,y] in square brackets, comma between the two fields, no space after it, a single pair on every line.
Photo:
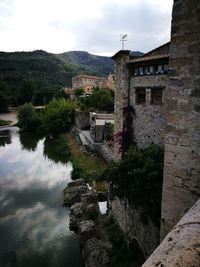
[5,137]
[33,223]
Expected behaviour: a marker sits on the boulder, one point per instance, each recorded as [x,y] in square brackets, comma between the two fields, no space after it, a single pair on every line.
[86,230]
[73,194]
[77,182]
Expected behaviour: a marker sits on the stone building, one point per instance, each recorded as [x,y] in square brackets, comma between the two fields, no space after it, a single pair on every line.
[141,83]
[174,125]
[89,82]
[101,126]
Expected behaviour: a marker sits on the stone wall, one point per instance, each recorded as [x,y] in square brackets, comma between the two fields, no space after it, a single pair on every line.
[121,94]
[82,120]
[149,119]
[181,246]
[181,187]
[129,220]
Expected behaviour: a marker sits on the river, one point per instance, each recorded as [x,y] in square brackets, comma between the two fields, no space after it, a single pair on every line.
[33,223]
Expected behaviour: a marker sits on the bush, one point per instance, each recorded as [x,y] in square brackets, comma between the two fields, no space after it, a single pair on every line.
[138,177]
[57,116]
[101,99]
[28,119]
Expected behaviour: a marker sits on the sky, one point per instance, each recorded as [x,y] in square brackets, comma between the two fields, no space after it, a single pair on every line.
[95,26]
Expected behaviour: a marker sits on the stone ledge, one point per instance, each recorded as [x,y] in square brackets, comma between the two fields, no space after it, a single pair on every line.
[181,247]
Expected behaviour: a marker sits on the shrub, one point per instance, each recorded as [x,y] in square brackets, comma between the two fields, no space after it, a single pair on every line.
[57,116]
[28,119]
[138,177]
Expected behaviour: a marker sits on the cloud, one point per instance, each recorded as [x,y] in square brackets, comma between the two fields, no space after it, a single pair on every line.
[147,25]
[58,26]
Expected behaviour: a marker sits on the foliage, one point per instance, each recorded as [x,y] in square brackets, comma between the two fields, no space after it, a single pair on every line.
[28,119]
[49,72]
[57,149]
[57,116]
[29,140]
[124,138]
[121,254]
[79,92]
[3,122]
[138,177]
[4,96]
[61,94]
[101,99]
[26,91]
[5,138]
[84,165]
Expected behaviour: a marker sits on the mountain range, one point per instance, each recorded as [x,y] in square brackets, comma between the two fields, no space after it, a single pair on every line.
[50,71]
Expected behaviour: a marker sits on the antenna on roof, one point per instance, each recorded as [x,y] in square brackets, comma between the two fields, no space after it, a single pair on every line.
[123,38]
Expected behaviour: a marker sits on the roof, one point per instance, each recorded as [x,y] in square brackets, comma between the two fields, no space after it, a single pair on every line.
[89,76]
[120,53]
[148,58]
[161,52]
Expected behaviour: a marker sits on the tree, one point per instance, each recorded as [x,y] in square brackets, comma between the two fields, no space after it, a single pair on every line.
[79,92]
[28,119]
[4,96]
[101,99]
[26,91]
[57,116]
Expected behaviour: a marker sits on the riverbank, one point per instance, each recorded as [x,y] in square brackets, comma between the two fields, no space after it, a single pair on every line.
[8,119]
[85,164]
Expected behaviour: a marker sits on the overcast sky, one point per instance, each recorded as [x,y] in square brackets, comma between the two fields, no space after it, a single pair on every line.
[91,25]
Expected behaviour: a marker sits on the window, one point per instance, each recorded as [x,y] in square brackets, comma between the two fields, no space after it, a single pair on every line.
[140,95]
[141,71]
[135,71]
[150,69]
[166,68]
[156,96]
[146,70]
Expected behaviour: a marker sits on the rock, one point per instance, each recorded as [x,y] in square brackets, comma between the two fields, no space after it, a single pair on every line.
[77,210]
[73,223]
[89,198]
[92,211]
[73,194]
[77,182]
[95,253]
[86,231]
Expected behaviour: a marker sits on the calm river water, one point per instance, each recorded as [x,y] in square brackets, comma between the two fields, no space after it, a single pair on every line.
[33,223]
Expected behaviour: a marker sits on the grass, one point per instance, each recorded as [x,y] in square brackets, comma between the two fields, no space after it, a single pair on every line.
[87,165]
[3,122]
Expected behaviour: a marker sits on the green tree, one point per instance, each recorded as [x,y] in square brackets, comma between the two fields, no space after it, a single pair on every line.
[138,177]
[26,91]
[101,99]
[28,119]
[57,116]
[79,92]
[4,96]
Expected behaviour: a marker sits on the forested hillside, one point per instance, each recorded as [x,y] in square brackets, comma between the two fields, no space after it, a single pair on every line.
[45,73]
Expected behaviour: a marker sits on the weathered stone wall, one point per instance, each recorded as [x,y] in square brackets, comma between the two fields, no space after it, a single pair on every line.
[121,94]
[181,187]
[129,220]
[82,119]
[149,120]
[180,248]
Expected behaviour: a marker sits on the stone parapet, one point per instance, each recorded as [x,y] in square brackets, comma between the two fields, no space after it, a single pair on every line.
[181,247]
